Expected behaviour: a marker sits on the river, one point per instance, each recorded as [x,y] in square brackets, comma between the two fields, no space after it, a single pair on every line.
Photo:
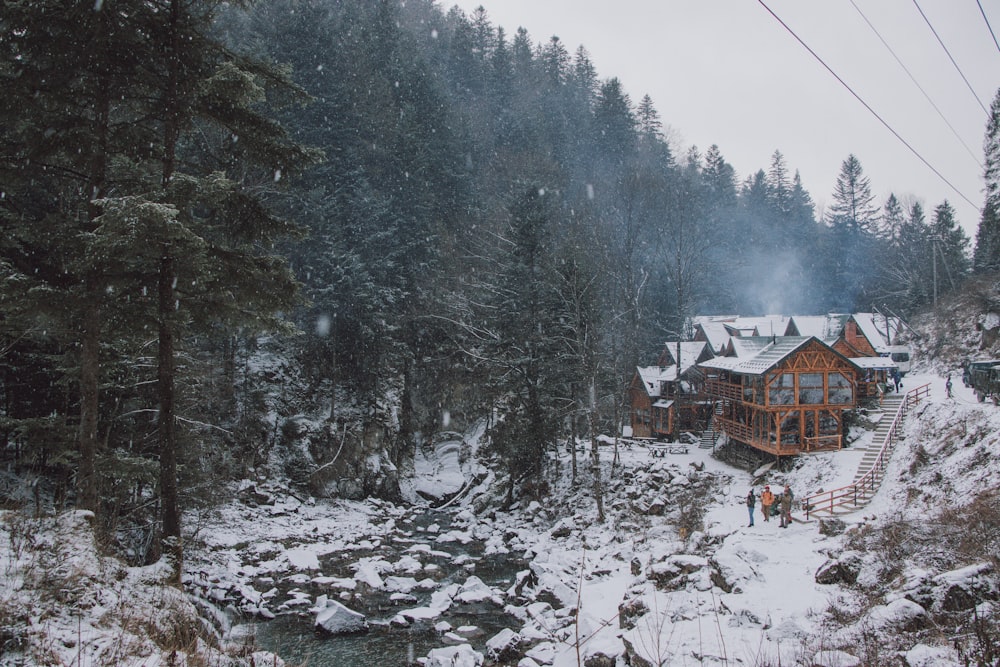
[293,637]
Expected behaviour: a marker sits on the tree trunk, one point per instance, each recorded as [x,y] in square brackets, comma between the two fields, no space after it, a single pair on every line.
[88,488]
[595,453]
[170,510]
[88,493]
[171,520]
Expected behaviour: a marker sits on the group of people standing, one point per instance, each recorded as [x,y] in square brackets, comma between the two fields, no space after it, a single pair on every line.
[767,503]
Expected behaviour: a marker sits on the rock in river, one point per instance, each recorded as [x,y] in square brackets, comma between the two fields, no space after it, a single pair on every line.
[336,619]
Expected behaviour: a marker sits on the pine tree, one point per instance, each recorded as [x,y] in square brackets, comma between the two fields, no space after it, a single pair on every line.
[893,219]
[853,205]
[951,245]
[987,252]
[779,190]
[69,137]
[853,218]
[525,347]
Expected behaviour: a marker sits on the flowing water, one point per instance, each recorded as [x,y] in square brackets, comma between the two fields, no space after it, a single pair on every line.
[293,637]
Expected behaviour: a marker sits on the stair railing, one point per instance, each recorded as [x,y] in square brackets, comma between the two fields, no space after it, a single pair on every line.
[867,484]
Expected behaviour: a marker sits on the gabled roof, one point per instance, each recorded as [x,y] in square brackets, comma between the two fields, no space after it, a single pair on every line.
[653,378]
[880,330]
[824,327]
[777,350]
[691,353]
[716,335]
[758,326]
[747,347]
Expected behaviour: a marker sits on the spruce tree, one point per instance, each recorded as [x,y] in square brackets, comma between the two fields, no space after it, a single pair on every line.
[853,218]
[987,252]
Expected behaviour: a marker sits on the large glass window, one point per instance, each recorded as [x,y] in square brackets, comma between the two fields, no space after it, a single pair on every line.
[782,390]
[841,389]
[810,388]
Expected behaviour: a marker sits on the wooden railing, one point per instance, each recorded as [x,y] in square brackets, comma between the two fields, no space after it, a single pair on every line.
[867,484]
[822,443]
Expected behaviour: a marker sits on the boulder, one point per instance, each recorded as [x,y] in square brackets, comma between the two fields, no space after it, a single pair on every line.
[600,660]
[831,527]
[629,610]
[503,646]
[964,588]
[454,656]
[336,619]
[901,614]
[834,659]
[843,570]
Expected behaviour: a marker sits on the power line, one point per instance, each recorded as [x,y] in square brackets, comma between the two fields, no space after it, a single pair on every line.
[988,26]
[960,73]
[917,84]
[865,104]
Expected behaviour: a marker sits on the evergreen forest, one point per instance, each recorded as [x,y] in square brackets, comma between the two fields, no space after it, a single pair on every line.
[298,238]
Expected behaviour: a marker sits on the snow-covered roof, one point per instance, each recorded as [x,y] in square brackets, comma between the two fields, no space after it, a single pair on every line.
[653,377]
[716,334]
[690,351]
[662,403]
[749,346]
[776,350]
[759,326]
[824,327]
[873,363]
[880,330]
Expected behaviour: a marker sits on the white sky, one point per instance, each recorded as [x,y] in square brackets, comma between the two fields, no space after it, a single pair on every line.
[726,72]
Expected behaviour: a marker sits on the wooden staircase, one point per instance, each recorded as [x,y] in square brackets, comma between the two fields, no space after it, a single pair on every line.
[871,470]
[890,406]
[709,436]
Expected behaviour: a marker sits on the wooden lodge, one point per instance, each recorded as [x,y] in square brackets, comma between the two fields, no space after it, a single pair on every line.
[669,397]
[784,395]
[779,394]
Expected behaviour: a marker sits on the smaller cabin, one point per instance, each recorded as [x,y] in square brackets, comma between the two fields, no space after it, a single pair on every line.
[874,335]
[669,397]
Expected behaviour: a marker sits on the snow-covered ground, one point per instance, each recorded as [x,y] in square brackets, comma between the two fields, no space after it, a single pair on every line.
[673,576]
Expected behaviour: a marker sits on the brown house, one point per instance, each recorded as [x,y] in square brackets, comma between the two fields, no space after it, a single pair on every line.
[669,397]
[785,395]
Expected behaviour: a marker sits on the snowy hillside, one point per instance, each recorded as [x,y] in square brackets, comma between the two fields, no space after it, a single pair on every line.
[674,576]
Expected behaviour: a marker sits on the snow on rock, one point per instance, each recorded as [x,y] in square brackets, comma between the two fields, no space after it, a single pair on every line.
[898,615]
[302,559]
[475,590]
[503,645]
[368,574]
[336,619]
[400,584]
[454,656]
[408,565]
[543,653]
[834,659]
[922,655]
[736,564]
[676,570]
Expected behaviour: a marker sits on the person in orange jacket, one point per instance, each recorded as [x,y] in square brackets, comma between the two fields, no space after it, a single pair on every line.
[766,500]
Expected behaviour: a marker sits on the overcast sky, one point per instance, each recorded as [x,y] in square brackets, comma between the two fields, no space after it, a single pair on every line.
[726,72]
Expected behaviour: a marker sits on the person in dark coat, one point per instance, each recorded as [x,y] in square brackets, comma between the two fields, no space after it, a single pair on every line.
[751,503]
[786,506]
